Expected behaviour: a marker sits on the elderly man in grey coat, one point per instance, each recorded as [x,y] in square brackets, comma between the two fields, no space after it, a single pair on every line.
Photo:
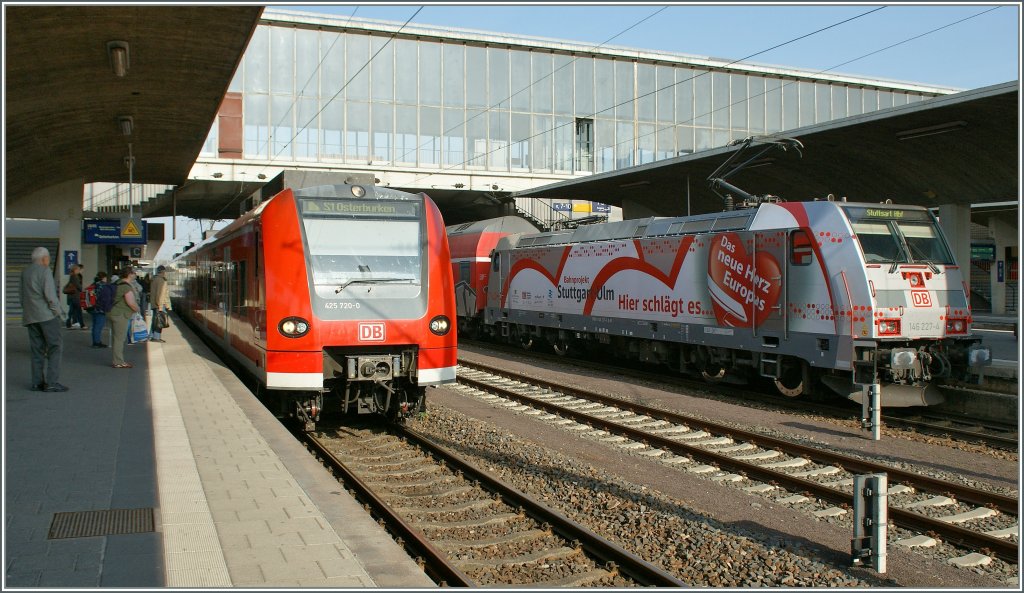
[42,317]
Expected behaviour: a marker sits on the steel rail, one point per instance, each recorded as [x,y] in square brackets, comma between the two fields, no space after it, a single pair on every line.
[1003,549]
[436,563]
[733,390]
[633,566]
[1005,504]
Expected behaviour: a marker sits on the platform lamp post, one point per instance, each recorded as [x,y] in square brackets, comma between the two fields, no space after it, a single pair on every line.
[130,162]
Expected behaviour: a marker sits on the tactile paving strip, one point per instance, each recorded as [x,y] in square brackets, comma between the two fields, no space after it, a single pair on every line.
[93,523]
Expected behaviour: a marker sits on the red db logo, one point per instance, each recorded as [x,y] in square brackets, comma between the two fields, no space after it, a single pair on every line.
[371,332]
[921,298]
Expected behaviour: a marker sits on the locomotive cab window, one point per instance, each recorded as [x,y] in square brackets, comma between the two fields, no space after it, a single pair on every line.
[895,235]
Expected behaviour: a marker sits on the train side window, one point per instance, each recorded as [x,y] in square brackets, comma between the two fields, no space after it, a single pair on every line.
[494,261]
[240,288]
[800,252]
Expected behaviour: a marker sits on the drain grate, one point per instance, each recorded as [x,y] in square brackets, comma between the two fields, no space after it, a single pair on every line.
[92,523]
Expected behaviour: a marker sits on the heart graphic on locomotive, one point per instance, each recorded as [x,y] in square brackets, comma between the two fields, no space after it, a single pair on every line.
[741,288]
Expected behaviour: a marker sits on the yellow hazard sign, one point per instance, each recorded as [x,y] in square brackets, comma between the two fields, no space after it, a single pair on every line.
[130,229]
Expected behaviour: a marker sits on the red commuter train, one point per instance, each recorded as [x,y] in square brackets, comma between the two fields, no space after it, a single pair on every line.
[335,295]
[471,246]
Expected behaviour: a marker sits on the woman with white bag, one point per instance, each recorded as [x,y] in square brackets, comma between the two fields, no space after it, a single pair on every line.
[125,307]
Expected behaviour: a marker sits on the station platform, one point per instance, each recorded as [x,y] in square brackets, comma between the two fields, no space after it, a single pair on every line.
[171,474]
[1001,322]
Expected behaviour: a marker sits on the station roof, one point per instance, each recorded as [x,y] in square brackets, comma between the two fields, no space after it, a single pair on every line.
[953,149]
[63,99]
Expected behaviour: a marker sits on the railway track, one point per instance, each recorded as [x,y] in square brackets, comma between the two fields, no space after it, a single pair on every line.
[982,522]
[998,435]
[467,528]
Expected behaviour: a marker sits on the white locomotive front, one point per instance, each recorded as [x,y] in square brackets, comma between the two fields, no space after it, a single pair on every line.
[798,292]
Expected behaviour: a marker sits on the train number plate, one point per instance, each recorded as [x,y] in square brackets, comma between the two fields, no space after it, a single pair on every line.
[372,332]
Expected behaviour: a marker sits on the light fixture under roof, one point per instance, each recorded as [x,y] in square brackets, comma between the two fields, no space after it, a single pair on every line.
[127,124]
[931,130]
[120,58]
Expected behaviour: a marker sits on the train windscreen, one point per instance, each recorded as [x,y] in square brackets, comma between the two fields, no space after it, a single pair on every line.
[364,248]
[897,235]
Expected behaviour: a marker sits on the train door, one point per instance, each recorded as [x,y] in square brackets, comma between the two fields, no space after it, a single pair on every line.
[465,305]
[768,285]
[224,298]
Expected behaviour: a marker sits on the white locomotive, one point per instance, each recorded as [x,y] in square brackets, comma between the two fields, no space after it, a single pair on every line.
[835,292]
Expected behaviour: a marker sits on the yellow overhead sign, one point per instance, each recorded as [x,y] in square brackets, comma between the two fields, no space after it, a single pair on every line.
[130,229]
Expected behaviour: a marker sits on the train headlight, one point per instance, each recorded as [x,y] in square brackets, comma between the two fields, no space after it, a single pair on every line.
[440,325]
[956,326]
[889,327]
[358,191]
[293,327]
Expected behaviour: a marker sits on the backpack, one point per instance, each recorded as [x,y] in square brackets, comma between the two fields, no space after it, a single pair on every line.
[105,297]
[87,298]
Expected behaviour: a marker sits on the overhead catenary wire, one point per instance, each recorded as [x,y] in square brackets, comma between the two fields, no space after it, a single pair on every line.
[829,69]
[315,72]
[527,87]
[734,62]
[632,139]
[344,86]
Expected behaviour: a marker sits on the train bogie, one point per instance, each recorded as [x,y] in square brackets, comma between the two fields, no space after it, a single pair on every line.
[336,297]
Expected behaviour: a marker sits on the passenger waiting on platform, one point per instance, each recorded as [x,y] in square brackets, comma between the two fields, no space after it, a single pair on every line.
[125,304]
[104,298]
[71,290]
[41,315]
[161,301]
[144,293]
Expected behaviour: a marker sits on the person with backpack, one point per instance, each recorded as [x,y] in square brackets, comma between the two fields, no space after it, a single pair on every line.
[99,298]
[71,290]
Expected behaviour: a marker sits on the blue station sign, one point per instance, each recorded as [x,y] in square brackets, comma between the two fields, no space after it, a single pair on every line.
[111,231]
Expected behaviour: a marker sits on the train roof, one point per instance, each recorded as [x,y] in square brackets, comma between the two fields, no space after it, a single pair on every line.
[501,224]
[731,220]
[643,227]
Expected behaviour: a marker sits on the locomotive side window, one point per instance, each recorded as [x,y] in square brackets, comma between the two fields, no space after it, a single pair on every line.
[494,261]
[800,252]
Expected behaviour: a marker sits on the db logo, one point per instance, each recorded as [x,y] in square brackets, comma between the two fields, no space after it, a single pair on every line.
[921,298]
[371,332]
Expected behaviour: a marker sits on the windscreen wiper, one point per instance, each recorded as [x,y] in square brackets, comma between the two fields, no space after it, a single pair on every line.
[343,285]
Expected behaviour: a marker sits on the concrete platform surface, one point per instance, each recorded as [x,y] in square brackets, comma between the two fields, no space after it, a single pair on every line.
[171,474]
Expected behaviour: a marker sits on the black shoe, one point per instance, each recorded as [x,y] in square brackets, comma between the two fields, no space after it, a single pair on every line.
[100,346]
[56,387]
[40,387]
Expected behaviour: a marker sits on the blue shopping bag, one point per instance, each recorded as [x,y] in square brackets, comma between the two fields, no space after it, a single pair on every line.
[140,333]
